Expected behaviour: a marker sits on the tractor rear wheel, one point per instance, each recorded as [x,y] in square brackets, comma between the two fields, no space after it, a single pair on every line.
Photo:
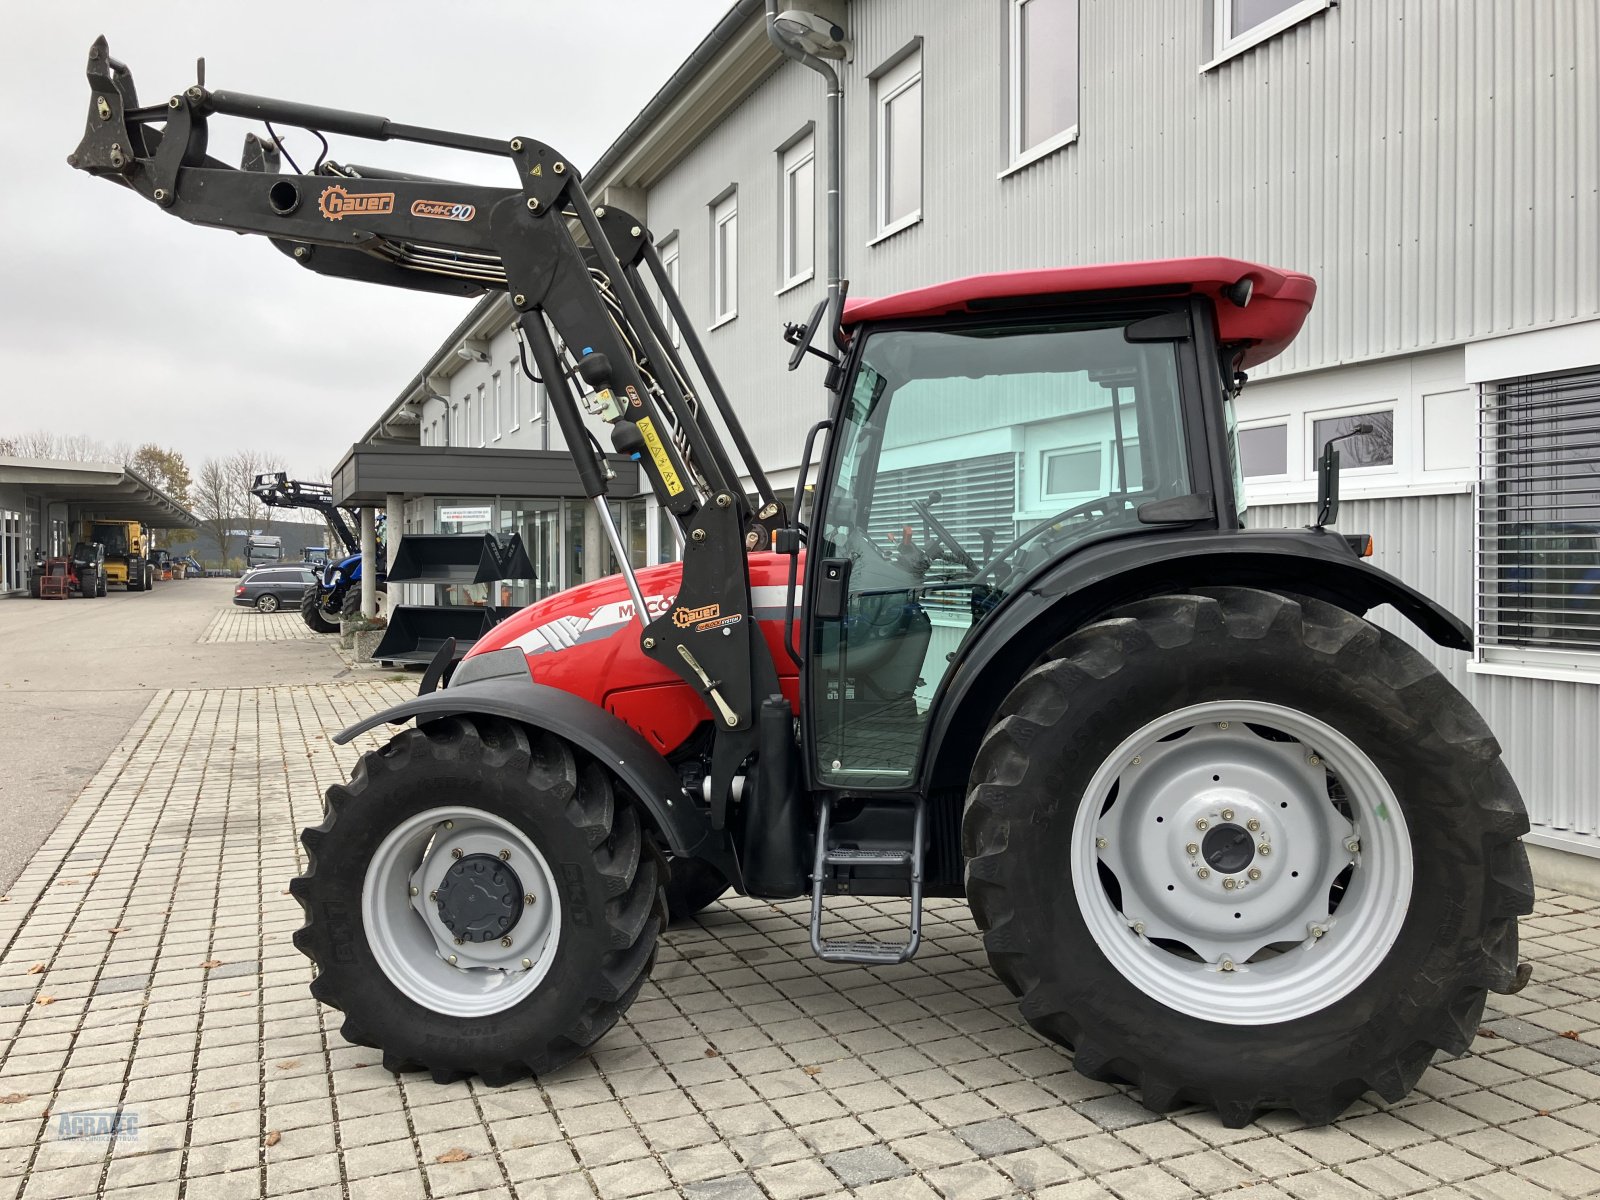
[1292,849]
[313,612]
[479,899]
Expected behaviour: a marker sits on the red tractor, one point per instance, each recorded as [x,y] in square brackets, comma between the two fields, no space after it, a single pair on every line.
[82,573]
[1224,837]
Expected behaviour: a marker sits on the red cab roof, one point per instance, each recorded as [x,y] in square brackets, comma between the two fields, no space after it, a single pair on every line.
[1278,304]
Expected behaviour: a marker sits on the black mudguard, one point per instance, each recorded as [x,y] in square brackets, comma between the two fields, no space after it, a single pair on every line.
[1100,577]
[499,684]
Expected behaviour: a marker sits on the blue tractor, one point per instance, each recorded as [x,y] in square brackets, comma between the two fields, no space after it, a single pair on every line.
[337,592]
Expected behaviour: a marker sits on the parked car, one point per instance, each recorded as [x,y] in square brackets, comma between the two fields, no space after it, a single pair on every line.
[268,589]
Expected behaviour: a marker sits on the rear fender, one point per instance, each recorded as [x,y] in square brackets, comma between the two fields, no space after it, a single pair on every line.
[1102,577]
[499,684]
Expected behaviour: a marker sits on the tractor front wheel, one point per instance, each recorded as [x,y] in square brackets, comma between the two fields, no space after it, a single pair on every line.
[1293,867]
[480,899]
[314,613]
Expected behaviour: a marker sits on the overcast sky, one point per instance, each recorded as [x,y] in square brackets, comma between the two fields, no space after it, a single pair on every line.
[121,321]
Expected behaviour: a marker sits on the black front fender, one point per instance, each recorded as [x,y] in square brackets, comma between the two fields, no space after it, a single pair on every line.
[499,684]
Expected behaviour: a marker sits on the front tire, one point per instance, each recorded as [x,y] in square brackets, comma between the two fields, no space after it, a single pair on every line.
[1183,956]
[313,613]
[532,817]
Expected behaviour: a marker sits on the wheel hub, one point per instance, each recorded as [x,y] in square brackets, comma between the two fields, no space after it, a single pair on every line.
[479,898]
[1228,848]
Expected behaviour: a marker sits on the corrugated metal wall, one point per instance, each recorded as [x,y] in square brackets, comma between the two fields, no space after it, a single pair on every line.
[1549,729]
[1435,164]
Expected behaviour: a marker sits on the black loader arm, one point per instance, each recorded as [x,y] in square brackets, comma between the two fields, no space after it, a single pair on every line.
[575,275]
[277,490]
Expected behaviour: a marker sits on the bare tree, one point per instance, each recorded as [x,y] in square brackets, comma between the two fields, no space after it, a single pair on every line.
[215,499]
[66,447]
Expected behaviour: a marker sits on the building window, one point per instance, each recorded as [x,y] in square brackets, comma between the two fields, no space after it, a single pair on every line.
[516,394]
[1044,77]
[1241,24]
[466,422]
[499,409]
[898,105]
[725,259]
[1373,448]
[483,416]
[1073,472]
[669,264]
[799,210]
[1539,520]
[1264,450]
[452,432]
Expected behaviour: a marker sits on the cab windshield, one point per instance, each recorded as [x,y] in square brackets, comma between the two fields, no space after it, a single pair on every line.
[970,460]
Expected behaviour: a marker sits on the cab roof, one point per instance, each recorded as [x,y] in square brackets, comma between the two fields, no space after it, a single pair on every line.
[1276,309]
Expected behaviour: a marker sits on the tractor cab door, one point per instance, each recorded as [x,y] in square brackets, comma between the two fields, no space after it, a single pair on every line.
[966,457]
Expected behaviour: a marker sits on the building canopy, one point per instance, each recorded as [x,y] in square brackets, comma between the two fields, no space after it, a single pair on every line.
[106,490]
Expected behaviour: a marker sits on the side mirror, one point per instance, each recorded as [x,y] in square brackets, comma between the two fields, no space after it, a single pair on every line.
[1328,478]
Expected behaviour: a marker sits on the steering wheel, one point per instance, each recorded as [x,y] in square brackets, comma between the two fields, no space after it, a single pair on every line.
[1100,505]
[943,534]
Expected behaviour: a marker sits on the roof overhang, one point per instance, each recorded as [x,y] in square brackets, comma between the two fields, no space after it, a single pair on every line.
[107,490]
[369,474]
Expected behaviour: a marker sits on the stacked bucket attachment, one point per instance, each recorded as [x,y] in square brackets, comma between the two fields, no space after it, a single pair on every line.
[417,632]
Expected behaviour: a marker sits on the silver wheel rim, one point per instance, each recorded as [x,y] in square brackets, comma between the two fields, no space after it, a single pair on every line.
[1283,931]
[268,604]
[410,940]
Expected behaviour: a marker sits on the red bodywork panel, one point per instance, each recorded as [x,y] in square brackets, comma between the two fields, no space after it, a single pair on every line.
[1278,303]
[586,641]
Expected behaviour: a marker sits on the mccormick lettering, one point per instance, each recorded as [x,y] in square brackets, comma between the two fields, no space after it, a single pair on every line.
[336,203]
[443,210]
[685,617]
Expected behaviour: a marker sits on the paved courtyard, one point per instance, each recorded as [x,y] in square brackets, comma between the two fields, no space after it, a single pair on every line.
[146,969]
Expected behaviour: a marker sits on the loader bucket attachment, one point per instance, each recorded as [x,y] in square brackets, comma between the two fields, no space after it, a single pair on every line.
[459,558]
[417,631]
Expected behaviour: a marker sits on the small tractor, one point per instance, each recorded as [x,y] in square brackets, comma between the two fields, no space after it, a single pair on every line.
[337,592]
[127,548]
[82,573]
[1224,837]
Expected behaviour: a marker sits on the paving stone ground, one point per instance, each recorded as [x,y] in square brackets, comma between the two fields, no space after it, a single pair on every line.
[147,969]
[239,624]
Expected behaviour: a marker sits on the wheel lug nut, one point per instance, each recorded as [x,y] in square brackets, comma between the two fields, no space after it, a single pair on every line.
[433,895]
[456,853]
[1352,845]
[1202,823]
[1227,814]
[1100,843]
[505,941]
[1222,724]
[1254,873]
[461,941]
[1229,884]
[505,856]
[416,891]
[1264,848]
[451,959]
[1193,848]
[527,964]
[1226,964]
[1317,931]
[449,824]
[1138,926]
[1315,760]
[530,898]
[1253,825]
[1204,873]
[1137,760]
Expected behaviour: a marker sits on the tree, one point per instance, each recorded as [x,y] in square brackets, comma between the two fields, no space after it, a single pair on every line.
[215,500]
[242,467]
[166,470]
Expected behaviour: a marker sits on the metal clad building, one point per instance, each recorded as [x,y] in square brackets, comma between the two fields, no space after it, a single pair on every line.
[1434,164]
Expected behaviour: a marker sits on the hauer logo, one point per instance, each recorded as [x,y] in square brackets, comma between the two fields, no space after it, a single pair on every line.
[443,210]
[685,617]
[336,203]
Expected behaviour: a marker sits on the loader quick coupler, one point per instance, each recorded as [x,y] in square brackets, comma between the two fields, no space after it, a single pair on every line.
[479,898]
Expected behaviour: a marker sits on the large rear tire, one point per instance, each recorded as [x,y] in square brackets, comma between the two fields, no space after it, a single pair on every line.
[480,899]
[1294,866]
[313,613]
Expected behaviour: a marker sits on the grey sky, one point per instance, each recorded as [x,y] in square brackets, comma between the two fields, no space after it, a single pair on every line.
[123,322]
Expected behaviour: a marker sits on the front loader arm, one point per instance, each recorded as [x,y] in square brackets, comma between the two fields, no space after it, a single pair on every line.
[575,276]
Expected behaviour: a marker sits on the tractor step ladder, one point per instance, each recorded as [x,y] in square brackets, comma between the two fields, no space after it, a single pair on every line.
[867,953]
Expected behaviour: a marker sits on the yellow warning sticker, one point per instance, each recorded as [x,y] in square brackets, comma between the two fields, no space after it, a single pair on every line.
[658,453]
